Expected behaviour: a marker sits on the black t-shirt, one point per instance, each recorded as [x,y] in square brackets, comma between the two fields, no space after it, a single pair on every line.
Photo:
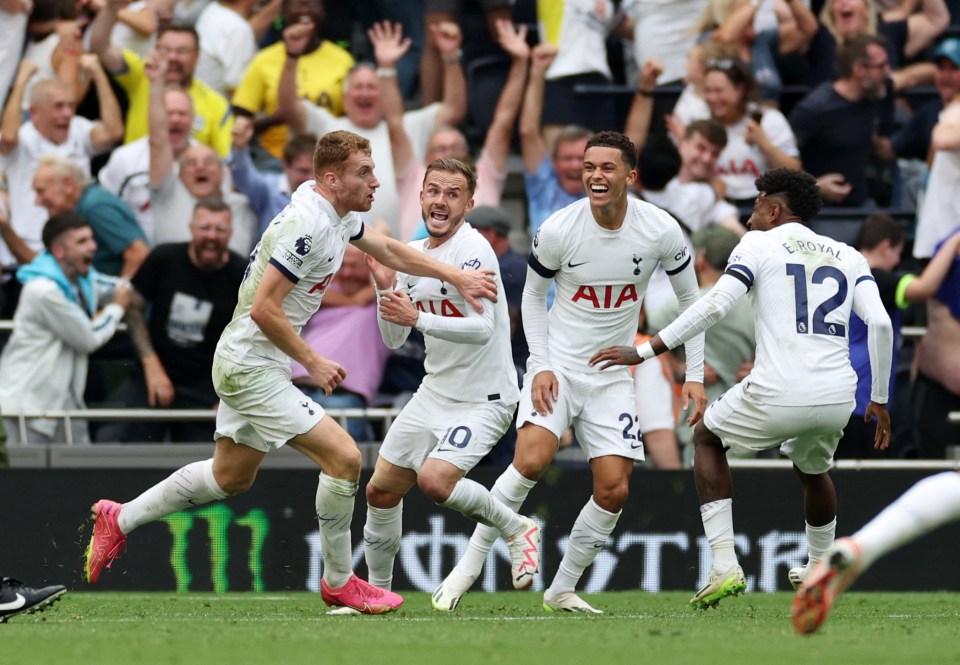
[912,141]
[513,272]
[189,309]
[836,136]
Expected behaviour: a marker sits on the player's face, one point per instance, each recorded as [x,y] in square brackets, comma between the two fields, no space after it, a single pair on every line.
[201,172]
[55,194]
[180,49]
[725,99]
[444,200]
[179,119]
[568,163]
[357,184]
[605,176]
[765,211]
[361,98]
[698,157]
[74,249]
[53,114]
[210,232]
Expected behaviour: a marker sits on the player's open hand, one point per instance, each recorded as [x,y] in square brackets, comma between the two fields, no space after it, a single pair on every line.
[327,373]
[396,307]
[881,438]
[616,355]
[476,284]
[693,390]
[544,391]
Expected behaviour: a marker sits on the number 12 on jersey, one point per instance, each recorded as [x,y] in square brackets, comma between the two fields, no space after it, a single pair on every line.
[820,325]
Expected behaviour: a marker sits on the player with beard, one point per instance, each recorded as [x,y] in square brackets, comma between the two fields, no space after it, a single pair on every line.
[467,399]
[600,251]
[191,289]
[260,408]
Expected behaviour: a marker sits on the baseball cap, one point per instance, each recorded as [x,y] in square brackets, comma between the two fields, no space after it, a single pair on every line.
[716,243]
[950,49]
[489,217]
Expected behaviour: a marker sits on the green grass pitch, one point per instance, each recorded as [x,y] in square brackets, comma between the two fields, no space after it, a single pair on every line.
[637,629]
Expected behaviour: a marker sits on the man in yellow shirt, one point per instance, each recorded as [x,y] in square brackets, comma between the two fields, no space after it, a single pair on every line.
[213,120]
[321,69]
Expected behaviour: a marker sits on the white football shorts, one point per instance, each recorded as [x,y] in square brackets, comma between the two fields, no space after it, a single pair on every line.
[808,435]
[599,405]
[460,433]
[655,400]
[259,406]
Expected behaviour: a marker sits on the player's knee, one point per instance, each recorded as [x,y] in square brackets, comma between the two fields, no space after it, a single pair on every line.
[435,488]
[612,498]
[530,464]
[379,498]
[704,437]
[346,464]
[235,482]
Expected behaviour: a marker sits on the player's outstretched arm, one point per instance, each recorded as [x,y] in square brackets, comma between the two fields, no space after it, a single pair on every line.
[472,284]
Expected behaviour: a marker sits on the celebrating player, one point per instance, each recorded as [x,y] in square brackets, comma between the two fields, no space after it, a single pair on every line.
[601,252]
[466,401]
[260,408]
[800,393]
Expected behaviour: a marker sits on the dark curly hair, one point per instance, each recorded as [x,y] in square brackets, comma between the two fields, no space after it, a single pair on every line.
[618,141]
[799,188]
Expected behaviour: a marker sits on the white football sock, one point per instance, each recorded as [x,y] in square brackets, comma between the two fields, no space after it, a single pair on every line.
[193,485]
[474,501]
[588,536]
[335,498]
[717,517]
[819,541]
[930,503]
[510,489]
[381,542]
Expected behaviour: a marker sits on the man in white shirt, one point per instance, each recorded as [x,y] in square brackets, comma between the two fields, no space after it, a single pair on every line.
[800,393]
[601,252]
[260,408]
[466,401]
[227,44]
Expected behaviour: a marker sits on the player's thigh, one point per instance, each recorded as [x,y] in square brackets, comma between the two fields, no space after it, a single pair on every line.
[607,423]
[819,429]
[415,431]
[393,479]
[472,431]
[260,407]
[570,398]
[329,445]
[744,424]
[235,465]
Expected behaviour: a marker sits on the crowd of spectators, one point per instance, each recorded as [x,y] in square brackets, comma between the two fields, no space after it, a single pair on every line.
[177,129]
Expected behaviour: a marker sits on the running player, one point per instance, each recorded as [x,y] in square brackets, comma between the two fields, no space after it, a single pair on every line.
[260,408]
[601,252]
[467,400]
[800,393]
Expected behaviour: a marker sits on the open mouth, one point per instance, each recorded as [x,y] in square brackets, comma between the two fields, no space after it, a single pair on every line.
[599,190]
[439,216]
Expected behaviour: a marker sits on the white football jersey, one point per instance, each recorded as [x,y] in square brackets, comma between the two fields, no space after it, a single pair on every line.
[601,277]
[306,243]
[468,354]
[802,289]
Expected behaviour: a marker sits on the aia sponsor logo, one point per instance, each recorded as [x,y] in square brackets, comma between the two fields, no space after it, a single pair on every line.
[607,297]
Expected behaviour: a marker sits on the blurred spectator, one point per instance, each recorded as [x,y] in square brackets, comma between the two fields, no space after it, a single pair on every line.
[190,290]
[127,172]
[937,387]
[491,165]
[319,67]
[657,399]
[213,120]
[578,30]
[691,105]
[881,241]
[494,225]
[552,174]
[410,14]
[664,30]
[227,44]
[905,33]
[53,128]
[727,344]
[439,13]
[762,31]
[759,138]
[173,193]
[269,193]
[840,125]
[364,107]
[62,186]
[13,27]
[941,210]
[138,23]
[57,325]
[345,330]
